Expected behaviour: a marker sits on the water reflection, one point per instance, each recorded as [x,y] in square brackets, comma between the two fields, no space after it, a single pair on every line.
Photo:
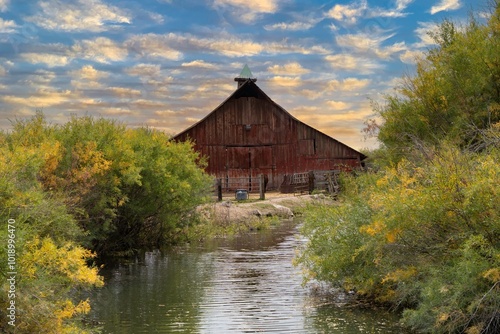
[243,285]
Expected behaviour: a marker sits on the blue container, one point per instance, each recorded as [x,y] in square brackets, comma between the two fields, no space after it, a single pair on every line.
[241,194]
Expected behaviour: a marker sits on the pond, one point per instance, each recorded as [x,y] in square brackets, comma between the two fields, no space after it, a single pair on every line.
[245,284]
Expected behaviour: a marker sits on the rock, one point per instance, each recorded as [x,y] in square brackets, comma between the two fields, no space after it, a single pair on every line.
[283,211]
[256,213]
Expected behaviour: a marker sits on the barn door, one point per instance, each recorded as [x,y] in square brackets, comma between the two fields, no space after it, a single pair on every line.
[261,162]
[237,168]
[245,164]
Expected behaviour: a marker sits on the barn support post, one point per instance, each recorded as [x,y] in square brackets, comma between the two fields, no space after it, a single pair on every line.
[262,187]
[311,181]
[219,190]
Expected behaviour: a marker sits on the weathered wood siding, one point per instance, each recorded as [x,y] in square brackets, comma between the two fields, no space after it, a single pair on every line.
[249,134]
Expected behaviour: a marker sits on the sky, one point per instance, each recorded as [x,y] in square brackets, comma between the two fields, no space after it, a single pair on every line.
[166,64]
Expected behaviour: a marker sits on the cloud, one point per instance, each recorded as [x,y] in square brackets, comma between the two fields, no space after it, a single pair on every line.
[286,81]
[422,32]
[172,46]
[338,105]
[4,4]
[210,91]
[293,26]
[40,79]
[348,84]
[3,71]
[88,72]
[402,4]
[101,49]
[225,44]
[123,92]
[154,46]
[263,6]
[144,70]
[411,57]
[369,44]
[348,13]
[7,26]
[446,5]
[199,63]
[165,112]
[51,60]
[293,68]
[87,77]
[349,62]
[247,11]
[79,15]
[41,99]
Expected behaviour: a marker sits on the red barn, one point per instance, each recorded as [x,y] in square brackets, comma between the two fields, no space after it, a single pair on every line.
[249,134]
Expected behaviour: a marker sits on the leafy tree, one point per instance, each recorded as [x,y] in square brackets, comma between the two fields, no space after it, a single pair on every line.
[87,184]
[422,233]
[50,266]
[172,183]
[455,94]
[423,237]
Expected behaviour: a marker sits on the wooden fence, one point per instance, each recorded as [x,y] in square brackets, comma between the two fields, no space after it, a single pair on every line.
[298,183]
[232,184]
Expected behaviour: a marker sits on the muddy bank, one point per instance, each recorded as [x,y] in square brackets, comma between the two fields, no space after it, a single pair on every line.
[231,211]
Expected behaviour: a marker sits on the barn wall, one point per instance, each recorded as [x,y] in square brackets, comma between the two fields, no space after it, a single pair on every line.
[248,135]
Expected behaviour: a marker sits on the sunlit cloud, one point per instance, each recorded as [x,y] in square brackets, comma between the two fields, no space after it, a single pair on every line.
[214,92]
[352,63]
[247,11]
[292,68]
[286,81]
[144,70]
[198,63]
[411,57]
[51,60]
[123,92]
[292,26]
[153,46]
[40,99]
[370,44]
[348,13]
[348,84]
[40,79]
[338,105]
[101,49]
[79,15]
[7,26]
[445,5]
[172,46]
[423,33]
[402,4]
[88,72]
[166,112]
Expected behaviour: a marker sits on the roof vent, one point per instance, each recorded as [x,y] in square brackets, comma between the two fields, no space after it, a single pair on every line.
[244,76]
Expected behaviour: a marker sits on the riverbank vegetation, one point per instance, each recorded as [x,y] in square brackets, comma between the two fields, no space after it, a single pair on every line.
[90,186]
[420,231]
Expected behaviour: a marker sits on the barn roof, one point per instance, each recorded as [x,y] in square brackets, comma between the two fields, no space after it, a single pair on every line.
[250,89]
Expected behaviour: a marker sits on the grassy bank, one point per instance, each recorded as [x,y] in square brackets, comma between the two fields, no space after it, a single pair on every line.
[230,217]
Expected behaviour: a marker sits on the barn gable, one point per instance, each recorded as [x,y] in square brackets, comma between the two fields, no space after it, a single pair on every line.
[249,134]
